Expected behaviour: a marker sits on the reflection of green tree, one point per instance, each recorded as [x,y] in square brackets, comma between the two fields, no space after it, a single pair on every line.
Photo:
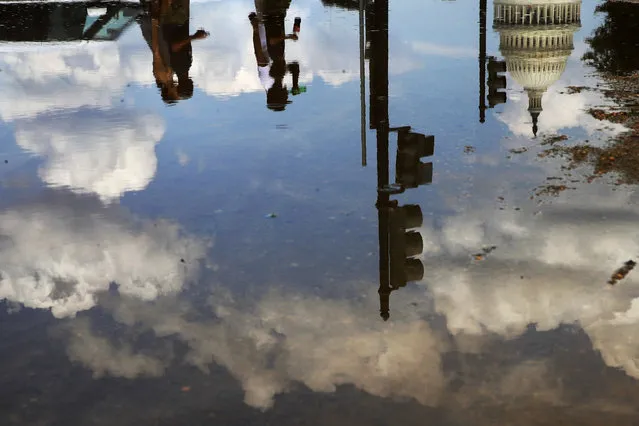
[615,44]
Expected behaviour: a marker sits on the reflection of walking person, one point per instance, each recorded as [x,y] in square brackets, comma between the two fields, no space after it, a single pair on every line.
[269,44]
[166,31]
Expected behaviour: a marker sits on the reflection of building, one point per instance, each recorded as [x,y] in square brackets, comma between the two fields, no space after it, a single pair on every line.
[65,21]
[536,39]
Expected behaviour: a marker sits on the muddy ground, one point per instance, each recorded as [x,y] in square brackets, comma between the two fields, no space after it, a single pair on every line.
[619,157]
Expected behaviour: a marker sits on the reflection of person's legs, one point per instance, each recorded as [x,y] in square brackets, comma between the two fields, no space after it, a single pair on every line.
[260,44]
[294,69]
[144,21]
[185,86]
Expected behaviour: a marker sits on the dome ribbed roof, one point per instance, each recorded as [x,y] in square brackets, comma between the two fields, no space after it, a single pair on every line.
[536,56]
[535,2]
[536,74]
[536,39]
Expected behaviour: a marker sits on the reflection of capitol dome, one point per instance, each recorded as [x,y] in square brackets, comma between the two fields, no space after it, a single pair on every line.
[536,39]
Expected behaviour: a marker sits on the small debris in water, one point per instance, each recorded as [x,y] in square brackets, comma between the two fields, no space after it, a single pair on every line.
[553,190]
[570,90]
[485,250]
[270,215]
[622,272]
[613,116]
[553,139]
[520,150]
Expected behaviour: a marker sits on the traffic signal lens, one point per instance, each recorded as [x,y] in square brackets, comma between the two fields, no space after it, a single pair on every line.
[410,171]
[414,244]
[413,217]
[497,98]
[496,66]
[414,270]
[427,146]
[498,82]
[425,175]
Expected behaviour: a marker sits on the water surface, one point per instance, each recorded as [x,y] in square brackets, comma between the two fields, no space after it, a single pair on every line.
[219,255]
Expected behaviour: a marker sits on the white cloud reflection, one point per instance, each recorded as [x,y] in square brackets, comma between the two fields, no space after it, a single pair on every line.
[65,104]
[100,152]
[565,256]
[66,101]
[561,111]
[64,78]
[58,258]
[284,340]
[60,254]
[104,358]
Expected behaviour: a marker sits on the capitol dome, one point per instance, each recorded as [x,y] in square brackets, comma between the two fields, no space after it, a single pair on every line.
[533,74]
[536,39]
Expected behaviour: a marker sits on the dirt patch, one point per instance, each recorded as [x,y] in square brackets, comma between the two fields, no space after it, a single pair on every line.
[571,90]
[553,139]
[612,116]
[552,190]
[620,155]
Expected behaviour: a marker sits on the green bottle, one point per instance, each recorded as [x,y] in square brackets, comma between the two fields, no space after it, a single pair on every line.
[297,90]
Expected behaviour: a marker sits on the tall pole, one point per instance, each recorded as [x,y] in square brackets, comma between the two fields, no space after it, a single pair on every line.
[371,29]
[482,60]
[362,80]
[378,66]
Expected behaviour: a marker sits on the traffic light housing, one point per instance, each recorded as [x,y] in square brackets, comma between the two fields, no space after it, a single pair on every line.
[496,82]
[404,245]
[410,171]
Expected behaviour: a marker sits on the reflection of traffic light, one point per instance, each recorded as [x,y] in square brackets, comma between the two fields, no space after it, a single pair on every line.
[496,82]
[410,172]
[404,244]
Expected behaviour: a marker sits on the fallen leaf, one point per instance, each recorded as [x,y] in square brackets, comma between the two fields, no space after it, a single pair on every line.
[622,272]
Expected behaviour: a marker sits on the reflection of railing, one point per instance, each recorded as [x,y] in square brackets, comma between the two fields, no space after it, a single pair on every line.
[44,22]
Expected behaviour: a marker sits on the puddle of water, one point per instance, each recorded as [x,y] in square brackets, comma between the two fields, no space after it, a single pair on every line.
[236,225]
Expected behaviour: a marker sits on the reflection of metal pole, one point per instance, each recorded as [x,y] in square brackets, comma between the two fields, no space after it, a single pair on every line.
[378,65]
[482,60]
[384,289]
[362,80]
[371,28]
